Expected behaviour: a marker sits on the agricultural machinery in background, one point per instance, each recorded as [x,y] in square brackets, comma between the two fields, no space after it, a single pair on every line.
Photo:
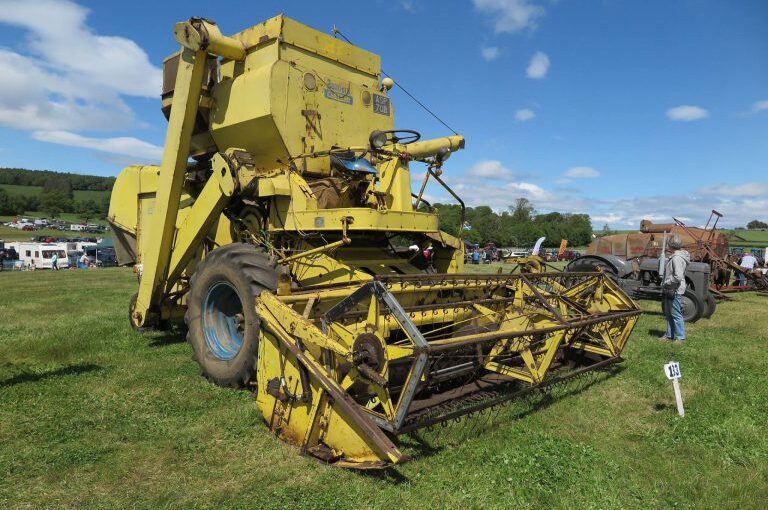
[633,262]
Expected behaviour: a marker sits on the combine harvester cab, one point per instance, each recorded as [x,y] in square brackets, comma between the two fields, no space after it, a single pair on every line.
[279,249]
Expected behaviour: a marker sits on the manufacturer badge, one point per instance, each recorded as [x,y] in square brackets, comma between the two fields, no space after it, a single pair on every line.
[338,92]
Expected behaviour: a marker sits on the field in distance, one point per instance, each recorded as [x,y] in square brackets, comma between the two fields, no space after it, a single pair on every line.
[78,194]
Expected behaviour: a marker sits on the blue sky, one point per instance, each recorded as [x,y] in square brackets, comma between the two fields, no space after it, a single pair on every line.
[622,109]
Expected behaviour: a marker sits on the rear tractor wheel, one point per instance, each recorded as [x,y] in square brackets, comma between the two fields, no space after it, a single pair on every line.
[223,327]
[693,307]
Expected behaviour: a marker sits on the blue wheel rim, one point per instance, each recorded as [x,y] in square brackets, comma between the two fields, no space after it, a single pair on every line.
[222,317]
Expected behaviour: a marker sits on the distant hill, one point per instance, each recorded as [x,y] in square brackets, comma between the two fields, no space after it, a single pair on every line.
[38,178]
[51,194]
[16,190]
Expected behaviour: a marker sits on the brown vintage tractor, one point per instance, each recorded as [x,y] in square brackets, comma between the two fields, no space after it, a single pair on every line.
[633,260]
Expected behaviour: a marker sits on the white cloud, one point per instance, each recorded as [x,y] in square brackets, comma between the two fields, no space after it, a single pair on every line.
[490,53]
[69,78]
[407,5]
[538,67]
[605,218]
[524,115]
[528,189]
[693,210]
[687,113]
[61,38]
[511,15]
[750,189]
[582,172]
[740,203]
[760,106]
[123,145]
[490,169]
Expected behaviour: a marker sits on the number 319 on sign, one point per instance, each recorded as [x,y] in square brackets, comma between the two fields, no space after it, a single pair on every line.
[672,370]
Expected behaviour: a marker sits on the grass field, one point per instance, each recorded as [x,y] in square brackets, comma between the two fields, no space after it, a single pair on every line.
[33,191]
[93,415]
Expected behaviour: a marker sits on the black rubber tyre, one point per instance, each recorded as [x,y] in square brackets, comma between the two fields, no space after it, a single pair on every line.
[692,306]
[223,327]
[710,306]
[589,265]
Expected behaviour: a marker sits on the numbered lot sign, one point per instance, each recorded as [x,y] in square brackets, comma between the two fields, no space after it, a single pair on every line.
[672,370]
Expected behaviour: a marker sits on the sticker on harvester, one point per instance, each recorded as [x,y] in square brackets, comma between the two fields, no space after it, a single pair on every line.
[672,370]
[380,104]
[338,92]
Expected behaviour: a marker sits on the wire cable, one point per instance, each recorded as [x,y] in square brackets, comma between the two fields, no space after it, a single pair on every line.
[336,31]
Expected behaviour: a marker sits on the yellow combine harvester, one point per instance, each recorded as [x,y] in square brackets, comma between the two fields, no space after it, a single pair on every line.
[279,246]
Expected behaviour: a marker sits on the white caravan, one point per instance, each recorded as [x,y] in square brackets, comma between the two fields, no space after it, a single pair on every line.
[39,255]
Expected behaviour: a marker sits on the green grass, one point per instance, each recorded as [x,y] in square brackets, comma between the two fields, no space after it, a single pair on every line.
[94,415]
[78,194]
[751,235]
[751,238]
[18,190]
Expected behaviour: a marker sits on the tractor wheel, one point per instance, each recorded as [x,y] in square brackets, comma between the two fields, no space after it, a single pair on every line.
[693,307]
[589,265]
[223,327]
[710,306]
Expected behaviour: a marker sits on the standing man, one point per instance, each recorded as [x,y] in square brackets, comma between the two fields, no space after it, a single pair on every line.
[55,262]
[673,286]
[748,263]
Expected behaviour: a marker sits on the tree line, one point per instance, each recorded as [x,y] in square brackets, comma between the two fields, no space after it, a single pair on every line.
[518,226]
[57,195]
[24,177]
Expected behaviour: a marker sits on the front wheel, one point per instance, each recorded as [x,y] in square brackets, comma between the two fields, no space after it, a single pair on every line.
[223,327]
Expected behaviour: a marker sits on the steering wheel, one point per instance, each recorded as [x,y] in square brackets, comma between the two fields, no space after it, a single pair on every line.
[403,136]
